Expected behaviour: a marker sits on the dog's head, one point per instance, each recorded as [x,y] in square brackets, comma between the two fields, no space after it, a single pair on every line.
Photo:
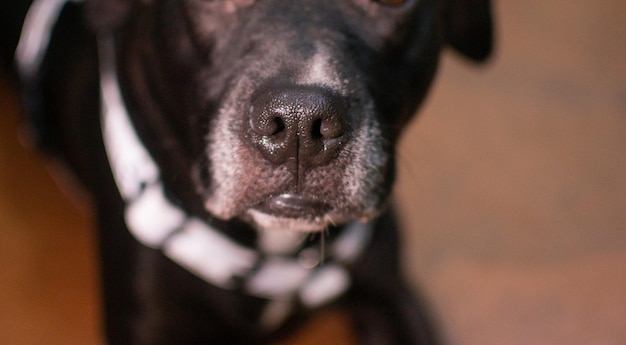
[280,113]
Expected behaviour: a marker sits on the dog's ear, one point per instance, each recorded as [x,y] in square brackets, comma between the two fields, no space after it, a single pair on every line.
[106,15]
[469,27]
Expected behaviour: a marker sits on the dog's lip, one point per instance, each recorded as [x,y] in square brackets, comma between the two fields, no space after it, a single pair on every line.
[293,206]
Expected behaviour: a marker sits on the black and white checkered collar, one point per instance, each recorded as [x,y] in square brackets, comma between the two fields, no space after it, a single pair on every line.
[280,268]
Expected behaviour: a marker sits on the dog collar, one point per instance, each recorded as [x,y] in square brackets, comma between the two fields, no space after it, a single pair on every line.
[196,245]
[34,39]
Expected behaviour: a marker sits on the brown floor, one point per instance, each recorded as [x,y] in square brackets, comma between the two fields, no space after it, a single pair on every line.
[512,185]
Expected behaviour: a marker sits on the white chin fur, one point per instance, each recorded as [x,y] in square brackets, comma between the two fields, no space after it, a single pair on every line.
[264,221]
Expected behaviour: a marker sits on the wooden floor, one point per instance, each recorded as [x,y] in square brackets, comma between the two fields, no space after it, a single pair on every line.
[512,187]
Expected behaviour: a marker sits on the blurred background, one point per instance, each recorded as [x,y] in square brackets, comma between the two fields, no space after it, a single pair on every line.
[512,190]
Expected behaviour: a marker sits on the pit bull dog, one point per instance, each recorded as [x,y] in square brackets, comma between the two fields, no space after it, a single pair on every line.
[240,153]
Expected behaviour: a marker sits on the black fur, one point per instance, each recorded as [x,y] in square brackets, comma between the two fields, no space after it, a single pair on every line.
[180,62]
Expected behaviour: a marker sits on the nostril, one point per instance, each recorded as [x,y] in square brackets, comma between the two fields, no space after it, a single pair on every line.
[278,125]
[274,126]
[267,125]
[331,128]
[324,129]
[316,130]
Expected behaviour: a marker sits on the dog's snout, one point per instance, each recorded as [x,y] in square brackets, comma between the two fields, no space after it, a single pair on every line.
[304,124]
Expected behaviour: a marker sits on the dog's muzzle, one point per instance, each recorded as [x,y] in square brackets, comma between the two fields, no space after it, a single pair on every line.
[297,145]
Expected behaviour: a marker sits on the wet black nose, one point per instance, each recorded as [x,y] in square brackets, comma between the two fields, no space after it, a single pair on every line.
[303,124]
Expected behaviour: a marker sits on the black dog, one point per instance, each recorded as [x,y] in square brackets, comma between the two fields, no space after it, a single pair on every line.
[240,153]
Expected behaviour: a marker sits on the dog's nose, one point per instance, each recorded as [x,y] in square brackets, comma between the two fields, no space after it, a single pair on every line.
[305,124]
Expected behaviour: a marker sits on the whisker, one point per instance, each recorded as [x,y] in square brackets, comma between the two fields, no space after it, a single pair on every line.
[323,246]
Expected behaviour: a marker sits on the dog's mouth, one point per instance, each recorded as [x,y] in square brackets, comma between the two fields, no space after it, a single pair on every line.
[293,212]
[293,206]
